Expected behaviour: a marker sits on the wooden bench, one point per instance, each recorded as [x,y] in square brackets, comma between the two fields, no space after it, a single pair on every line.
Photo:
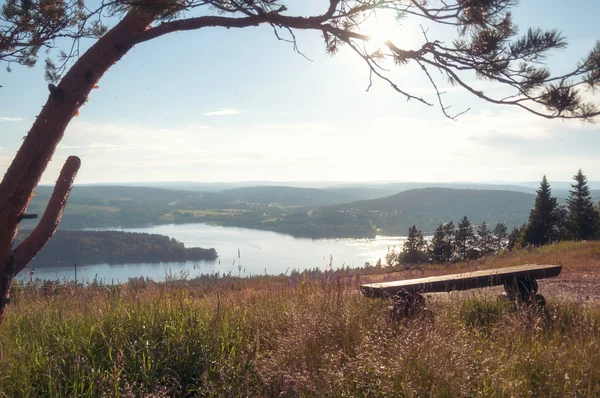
[520,280]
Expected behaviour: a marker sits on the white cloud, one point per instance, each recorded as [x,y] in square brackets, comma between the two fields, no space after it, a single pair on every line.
[11,119]
[193,126]
[223,112]
[508,145]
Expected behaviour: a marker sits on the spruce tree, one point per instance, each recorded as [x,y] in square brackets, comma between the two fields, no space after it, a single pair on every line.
[415,246]
[514,236]
[436,245]
[441,246]
[500,236]
[464,240]
[582,219]
[448,241]
[543,225]
[485,240]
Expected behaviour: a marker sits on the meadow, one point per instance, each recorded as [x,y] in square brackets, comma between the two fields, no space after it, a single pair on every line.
[309,334]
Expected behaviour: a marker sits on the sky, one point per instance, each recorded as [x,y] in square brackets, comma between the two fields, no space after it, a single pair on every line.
[239,105]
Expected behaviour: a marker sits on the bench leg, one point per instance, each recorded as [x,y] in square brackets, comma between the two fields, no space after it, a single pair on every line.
[408,305]
[524,290]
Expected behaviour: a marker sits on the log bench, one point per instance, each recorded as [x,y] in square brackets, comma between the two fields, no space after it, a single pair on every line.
[520,284]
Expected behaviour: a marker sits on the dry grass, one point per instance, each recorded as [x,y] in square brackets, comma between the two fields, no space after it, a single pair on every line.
[299,336]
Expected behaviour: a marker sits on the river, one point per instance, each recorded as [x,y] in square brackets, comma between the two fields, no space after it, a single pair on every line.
[241,251]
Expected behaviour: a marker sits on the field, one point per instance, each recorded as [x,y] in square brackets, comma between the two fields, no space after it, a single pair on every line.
[305,335]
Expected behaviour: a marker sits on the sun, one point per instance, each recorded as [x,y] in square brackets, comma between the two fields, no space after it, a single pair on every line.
[380,27]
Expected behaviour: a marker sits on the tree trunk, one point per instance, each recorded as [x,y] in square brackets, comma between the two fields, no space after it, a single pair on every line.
[23,175]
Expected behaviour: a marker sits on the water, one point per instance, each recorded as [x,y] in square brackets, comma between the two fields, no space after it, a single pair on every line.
[260,252]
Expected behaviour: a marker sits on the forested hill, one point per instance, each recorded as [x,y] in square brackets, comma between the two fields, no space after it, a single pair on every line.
[307,212]
[445,200]
[426,208]
[115,247]
[130,207]
[301,197]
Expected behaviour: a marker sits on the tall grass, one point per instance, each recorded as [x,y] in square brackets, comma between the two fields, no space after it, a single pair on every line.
[294,337]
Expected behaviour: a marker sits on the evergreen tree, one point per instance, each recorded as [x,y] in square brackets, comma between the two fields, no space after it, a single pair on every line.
[582,219]
[485,240]
[441,246]
[543,225]
[562,224]
[449,241]
[436,245]
[500,236]
[514,236]
[464,240]
[415,247]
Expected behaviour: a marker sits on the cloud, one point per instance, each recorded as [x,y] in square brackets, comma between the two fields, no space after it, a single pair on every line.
[507,145]
[193,126]
[11,119]
[223,112]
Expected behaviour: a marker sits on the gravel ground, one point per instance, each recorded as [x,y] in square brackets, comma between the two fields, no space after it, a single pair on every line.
[584,288]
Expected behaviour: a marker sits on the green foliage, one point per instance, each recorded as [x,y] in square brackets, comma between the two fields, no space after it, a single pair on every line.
[28,24]
[583,219]
[500,237]
[414,248]
[515,236]
[544,219]
[441,246]
[115,247]
[484,240]
[465,240]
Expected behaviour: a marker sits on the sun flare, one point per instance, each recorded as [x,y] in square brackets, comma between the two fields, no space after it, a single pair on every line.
[380,28]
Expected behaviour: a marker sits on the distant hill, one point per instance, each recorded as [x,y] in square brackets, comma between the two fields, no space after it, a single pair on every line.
[396,187]
[103,193]
[301,197]
[284,196]
[428,207]
[95,206]
[448,200]
[317,213]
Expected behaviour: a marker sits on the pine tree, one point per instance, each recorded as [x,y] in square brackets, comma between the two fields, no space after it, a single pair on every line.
[436,245]
[464,240]
[582,219]
[514,237]
[500,236]
[441,246]
[543,225]
[484,240]
[449,241]
[415,246]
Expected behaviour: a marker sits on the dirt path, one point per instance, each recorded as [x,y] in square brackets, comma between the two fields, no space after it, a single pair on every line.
[582,288]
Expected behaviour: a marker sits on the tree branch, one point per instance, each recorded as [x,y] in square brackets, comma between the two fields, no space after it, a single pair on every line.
[32,245]
[197,23]
[228,22]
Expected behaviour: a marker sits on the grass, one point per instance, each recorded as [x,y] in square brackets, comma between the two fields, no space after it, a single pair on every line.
[298,336]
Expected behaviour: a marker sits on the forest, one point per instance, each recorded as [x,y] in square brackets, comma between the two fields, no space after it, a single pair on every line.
[116,247]
[549,222]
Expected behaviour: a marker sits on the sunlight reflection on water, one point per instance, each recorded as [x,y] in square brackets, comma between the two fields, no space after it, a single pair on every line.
[259,252]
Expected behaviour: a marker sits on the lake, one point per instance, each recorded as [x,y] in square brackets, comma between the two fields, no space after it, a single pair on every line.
[241,251]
